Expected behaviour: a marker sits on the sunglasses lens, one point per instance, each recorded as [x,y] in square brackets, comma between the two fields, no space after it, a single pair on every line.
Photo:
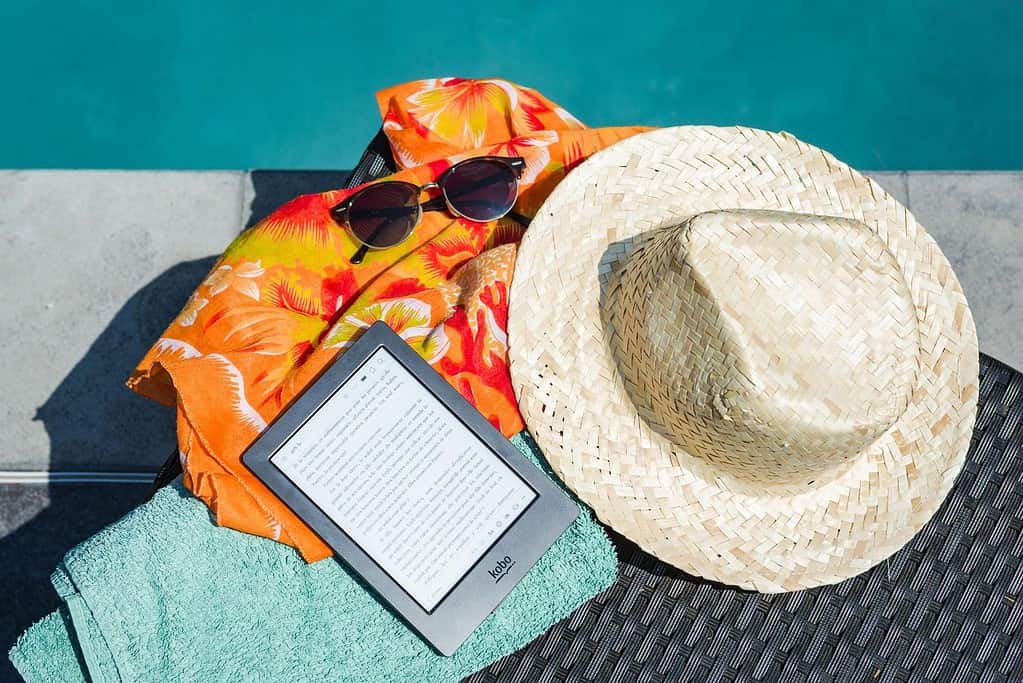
[481,190]
[383,215]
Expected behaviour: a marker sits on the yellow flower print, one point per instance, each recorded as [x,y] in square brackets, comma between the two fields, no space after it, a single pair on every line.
[410,318]
[532,148]
[435,345]
[457,110]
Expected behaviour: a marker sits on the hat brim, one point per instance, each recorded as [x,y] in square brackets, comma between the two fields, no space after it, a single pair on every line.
[673,504]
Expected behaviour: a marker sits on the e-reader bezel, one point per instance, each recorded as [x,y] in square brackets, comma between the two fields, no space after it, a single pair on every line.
[477,593]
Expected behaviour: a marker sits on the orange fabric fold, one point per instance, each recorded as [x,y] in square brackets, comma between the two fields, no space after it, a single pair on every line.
[284,300]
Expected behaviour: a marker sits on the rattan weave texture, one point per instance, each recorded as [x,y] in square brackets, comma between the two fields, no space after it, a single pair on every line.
[946,607]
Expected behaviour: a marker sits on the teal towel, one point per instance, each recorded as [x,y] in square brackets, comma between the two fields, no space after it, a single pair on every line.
[163,594]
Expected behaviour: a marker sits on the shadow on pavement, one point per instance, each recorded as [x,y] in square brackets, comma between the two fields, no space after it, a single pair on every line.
[92,410]
[273,188]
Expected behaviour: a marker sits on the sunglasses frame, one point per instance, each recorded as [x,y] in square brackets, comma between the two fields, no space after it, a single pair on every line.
[339,212]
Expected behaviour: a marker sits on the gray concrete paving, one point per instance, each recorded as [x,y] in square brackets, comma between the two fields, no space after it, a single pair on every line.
[264,191]
[977,220]
[96,263]
[895,182]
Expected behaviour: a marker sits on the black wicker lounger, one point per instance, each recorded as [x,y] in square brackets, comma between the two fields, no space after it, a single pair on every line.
[946,607]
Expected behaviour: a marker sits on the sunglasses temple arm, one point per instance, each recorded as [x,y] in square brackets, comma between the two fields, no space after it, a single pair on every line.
[359,255]
[519,218]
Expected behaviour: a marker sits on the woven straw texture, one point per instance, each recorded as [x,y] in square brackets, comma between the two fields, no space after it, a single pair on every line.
[745,356]
[946,607]
[776,395]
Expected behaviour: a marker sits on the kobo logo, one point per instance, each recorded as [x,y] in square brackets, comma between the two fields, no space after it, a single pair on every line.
[501,570]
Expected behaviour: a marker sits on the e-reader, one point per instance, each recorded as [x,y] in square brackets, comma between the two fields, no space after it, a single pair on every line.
[411,487]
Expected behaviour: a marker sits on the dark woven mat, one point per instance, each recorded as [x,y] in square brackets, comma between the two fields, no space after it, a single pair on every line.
[945,608]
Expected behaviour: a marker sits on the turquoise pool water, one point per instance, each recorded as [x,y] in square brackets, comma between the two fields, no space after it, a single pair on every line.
[230,84]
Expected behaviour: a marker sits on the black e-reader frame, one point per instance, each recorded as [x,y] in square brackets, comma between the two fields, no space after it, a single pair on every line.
[447,622]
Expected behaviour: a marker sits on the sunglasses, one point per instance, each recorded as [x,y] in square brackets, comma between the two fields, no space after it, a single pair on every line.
[480,189]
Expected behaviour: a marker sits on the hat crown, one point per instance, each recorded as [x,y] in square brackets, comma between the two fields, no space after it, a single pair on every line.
[774,345]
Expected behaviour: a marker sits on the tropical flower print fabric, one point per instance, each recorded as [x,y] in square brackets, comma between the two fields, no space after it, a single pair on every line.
[284,300]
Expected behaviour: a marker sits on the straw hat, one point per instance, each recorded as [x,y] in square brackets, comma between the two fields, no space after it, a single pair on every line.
[744,355]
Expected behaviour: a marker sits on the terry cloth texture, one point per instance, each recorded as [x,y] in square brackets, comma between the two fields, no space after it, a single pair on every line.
[285,300]
[164,594]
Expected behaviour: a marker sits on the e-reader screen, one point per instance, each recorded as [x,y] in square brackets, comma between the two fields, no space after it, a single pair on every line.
[404,478]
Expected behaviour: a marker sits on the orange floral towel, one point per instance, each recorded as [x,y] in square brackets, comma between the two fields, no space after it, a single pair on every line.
[284,300]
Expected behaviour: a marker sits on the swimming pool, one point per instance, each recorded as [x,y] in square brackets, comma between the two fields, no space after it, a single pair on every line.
[230,84]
